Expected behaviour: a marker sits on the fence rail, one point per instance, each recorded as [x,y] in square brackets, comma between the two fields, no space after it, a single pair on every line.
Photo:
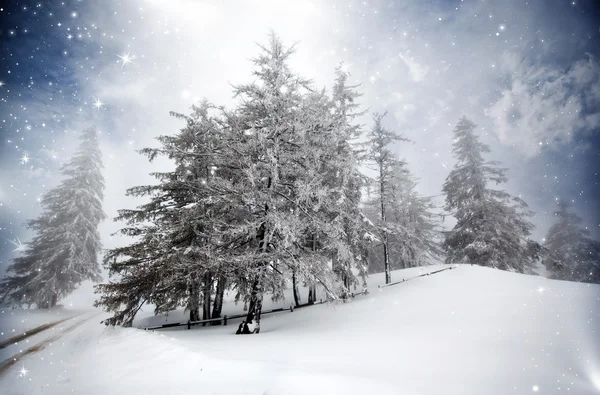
[412,278]
[226,318]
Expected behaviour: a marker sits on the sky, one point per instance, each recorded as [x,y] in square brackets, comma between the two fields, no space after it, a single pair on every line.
[526,72]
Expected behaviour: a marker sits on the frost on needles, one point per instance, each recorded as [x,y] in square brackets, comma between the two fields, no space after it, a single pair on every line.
[262,193]
[492,226]
[64,251]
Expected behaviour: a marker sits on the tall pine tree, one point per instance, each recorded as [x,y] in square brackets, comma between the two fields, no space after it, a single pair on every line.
[172,263]
[572,254]
[412,225]
[64,251]
[416,241]
[256,199]
[291,146]
[492,226]
[387,165]
[347,182]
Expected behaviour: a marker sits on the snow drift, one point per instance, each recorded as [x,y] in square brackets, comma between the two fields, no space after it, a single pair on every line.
[472,330]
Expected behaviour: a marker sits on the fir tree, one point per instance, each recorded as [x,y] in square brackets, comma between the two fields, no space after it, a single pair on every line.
[64,250]
[386,166]
[492,226]
[416,239]
[262,194]
[412,224]
[288,141]
[346,183]
[572,254]
[173,262]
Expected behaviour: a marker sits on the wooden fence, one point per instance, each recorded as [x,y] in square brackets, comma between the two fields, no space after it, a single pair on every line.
[226,318]
[412,278]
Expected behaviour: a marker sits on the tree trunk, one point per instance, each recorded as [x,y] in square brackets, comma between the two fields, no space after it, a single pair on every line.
[54,300]
[218,304]
[194,301]
[207,291]
[49,303]
[386,258]
[345,267]
[252,322]
[347,282]
[312,288]
[295,287]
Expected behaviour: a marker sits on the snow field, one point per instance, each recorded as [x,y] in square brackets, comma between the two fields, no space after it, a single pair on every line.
[472,330]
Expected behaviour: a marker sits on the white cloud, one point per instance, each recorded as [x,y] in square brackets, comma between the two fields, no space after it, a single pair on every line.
[185,49]
[544,106]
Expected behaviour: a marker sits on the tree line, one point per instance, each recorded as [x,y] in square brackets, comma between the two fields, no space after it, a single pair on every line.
[272,194]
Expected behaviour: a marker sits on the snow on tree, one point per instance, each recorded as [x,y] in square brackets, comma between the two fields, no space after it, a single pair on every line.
[492,226]
[572,254]
[172,263]
[261,194]
[416,239]
[347,182]
[386,165]
[412,224]
[290,147]
[64,251]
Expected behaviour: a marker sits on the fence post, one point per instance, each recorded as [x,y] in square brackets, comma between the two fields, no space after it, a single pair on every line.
[189,324]
[225,319]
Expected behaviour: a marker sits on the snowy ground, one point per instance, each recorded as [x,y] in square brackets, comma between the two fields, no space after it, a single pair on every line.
[471,330]
[15,321]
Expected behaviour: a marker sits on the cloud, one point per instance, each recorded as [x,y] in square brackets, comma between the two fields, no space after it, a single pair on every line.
[545,106]
[426,74]
[417,71]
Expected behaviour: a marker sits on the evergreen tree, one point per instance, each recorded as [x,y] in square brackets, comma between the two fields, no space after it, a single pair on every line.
[173,262]
[492,226]
[257,198]
[291,141]
[413,226]
[572,254]
[386,165]
[64,250]
[347,182]
[416,239]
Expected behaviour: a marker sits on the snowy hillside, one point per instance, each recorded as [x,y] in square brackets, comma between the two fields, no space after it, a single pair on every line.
[471,330]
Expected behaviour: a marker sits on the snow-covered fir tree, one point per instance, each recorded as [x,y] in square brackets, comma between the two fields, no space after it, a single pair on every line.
[64,250]
[289,148]
[386,167]
[572,254]
[492,226]
[412,224]
[262,194]
[416,241]
[347,183]
[172,263]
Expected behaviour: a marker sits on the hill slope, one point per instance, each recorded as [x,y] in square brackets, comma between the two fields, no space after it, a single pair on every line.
[471,330]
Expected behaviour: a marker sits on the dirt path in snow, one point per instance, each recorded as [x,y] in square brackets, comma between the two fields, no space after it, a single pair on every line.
[5,365]
[33,331]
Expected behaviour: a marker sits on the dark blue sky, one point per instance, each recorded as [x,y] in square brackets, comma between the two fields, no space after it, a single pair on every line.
[427,63]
